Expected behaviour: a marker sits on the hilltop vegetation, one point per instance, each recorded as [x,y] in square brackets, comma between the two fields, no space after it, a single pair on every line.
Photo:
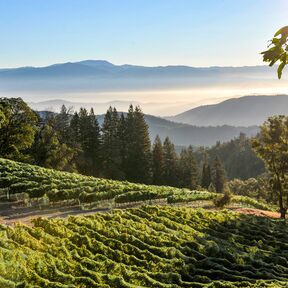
[146,247]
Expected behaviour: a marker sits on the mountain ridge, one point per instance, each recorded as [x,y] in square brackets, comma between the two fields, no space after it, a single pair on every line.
[243,111]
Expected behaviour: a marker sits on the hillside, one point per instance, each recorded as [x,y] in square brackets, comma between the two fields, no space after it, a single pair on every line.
[149,246]
[184,135]
[25,181]
[244,111]
[146,247]
[34,186]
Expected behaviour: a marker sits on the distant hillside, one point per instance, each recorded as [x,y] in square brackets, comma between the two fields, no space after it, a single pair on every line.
[244,111]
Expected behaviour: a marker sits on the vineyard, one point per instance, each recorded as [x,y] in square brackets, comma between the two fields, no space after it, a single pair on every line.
[150,246]
[40,186]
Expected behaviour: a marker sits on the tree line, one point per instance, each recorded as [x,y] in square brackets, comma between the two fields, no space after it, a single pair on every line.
[118,149]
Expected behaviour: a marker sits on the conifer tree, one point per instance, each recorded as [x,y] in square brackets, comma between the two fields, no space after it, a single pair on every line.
[158,161]
[138,157]
[219,176]
[62,124]
[128,130]
[92,152]
[110,151]
[206,173]
[122,143]
[75,130]
[85,131]
[188,169]
[170,172]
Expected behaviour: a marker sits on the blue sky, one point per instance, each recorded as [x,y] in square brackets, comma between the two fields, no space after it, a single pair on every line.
[144,32]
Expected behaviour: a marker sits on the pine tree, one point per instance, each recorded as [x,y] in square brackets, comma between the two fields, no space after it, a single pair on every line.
[188,170]
[219,176]
[170,172]
[206,173]
[110,146]
[75,130]
[122,143]
[138,152]
[129,140]
[92,152]
[85,135]
[158,161]
[62,124]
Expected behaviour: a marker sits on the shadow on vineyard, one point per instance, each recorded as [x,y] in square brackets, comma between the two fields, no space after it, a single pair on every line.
[150,246]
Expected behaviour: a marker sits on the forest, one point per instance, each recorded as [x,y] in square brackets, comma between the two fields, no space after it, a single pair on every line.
[119,149]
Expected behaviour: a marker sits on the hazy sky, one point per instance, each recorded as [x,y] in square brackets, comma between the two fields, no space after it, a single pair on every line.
[145,32]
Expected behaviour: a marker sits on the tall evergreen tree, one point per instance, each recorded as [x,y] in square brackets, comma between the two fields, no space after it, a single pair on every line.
[219,176]
[86,130]
[92,151]
[158,161]
[128,160]
[206,173]
[138,157]
[170,172]
[122,134]
[62,124]
[188,170]
[110,151]
[75,129]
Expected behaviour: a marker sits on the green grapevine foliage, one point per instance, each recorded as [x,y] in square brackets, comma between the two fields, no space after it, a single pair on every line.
[151,246]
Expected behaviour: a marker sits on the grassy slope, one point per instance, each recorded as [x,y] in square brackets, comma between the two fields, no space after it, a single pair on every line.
[147,247]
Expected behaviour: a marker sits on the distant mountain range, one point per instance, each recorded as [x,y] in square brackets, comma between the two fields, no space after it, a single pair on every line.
[104,69]
[97,81]
[244,111]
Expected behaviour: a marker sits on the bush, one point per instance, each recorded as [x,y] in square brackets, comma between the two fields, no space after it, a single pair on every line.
[223,200]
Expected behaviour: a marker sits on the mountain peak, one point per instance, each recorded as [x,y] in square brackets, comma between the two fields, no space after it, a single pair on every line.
[96,63]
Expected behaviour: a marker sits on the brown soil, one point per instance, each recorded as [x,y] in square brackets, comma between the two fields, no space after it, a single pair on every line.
[25,216]
[257,212]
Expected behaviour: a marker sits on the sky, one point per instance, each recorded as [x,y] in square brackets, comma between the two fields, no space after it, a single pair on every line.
[143,32]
